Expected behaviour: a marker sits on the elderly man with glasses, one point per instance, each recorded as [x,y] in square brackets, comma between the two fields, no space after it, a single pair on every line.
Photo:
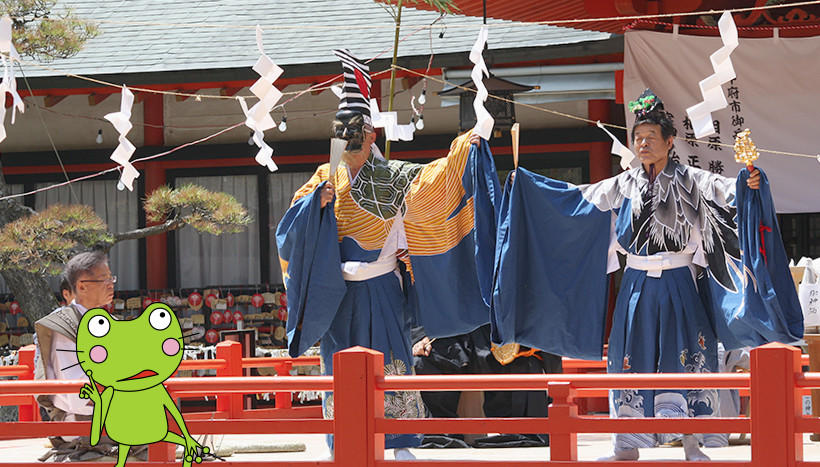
[89,279]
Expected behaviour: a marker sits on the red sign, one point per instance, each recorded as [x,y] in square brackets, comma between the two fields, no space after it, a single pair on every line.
[229,300]
[237,316]
[211,336]
[210,300]
[257,300]
[227,316]
[283,300]
[15,308]
[282,314]
[147,301]
[216,318]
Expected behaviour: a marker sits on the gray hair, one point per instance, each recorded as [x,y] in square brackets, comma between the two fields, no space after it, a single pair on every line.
[82,263]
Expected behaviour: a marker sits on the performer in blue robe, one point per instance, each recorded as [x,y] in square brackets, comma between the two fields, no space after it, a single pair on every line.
[705,262]
[379,245]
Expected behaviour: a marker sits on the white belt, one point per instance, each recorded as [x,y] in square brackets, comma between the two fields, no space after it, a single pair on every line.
[657,263]
[359,271]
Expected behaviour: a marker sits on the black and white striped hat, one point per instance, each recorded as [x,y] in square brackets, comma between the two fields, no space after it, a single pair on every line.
[356,90]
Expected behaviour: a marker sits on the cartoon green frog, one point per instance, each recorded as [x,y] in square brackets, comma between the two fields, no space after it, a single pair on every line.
[132,359]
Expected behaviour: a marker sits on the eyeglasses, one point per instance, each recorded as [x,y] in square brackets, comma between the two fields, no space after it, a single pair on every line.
[111,280]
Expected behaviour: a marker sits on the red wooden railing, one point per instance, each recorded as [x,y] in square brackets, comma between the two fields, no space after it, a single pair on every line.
[775,383]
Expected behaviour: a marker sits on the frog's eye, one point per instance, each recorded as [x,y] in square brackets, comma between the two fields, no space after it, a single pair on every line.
[160,319]
[98,326]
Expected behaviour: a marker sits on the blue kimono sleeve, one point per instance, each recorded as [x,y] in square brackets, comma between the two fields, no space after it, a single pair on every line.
[486,191]
[550,291]
[309,251]
[770,310]
[451,291]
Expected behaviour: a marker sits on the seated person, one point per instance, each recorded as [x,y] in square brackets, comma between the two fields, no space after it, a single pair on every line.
[92,285]
[471,354]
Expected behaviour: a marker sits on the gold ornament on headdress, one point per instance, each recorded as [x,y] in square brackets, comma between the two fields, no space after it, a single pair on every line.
[745,149]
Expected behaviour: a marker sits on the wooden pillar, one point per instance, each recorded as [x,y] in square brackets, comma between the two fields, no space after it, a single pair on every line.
[775,406]
[356,406]
[156,246]
[600,160]
[813,341]
[563,445]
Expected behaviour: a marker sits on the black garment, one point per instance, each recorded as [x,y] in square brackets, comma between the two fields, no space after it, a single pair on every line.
[470,354]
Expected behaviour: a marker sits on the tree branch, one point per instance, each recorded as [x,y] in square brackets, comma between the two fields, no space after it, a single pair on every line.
[169,225]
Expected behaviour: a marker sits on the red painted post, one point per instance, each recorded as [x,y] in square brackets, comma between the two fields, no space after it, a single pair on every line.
[31,412]
[775,407]
[156,261]
[600,159]
[284,400]
[161,452]
[231,352]
[563,446]
[356,406]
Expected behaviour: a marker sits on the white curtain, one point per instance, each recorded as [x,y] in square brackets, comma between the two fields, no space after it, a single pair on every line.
[119,209]
[282,188]
[228,259]
[12,190]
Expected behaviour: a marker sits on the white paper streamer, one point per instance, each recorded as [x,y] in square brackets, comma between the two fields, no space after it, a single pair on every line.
[484,121]
[710,87]
[122,154]
[9,84]
[389,121]
[258,118]
[619,149]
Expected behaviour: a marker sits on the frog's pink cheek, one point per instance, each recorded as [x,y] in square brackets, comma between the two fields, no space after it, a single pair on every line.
[98,354]
[170,347]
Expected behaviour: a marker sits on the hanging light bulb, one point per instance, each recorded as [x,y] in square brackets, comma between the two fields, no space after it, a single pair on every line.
[423,97]
[420,123]
[99,138]
[283,125]
[120,186]
[250,140]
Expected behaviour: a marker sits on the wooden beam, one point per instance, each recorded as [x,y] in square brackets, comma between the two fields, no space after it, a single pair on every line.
[94,99]
[229,91]
[186,91]
[51,101]
[409,81]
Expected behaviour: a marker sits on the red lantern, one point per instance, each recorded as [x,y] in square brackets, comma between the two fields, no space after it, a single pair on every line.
[283,300]
[15,308]
[216,318]
[210,300]
[227,316]
[237,316]
[257,300]
[195,300]
[282,314]
[229,300]
[211,336]
[147,301]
